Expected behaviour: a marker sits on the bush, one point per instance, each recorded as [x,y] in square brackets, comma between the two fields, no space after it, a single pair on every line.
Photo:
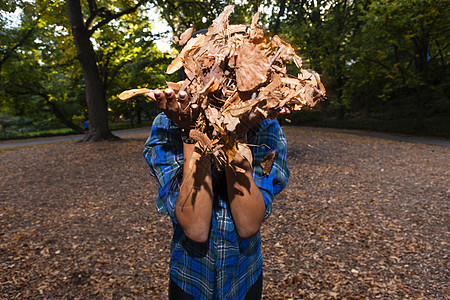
[15,125]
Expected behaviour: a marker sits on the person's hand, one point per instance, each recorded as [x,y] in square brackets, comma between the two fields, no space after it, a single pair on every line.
[247,121]
[176,107]
[254,118]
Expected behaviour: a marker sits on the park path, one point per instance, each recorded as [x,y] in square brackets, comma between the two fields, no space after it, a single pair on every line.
[67,138]
[145,130]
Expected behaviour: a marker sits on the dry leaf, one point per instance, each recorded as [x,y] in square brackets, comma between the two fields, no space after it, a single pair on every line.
[131,93]
[175,86]
[191,45]
[186,35]
[251,70]
[201,138]
[267,162]
[242,107]
[230,122]
[245,152]
[233,69]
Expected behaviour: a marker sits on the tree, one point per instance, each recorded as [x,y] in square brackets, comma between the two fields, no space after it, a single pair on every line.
[128,58]
[82,32]
[181,14]
[407,43]
[50,82]
[323,31]
[32,51]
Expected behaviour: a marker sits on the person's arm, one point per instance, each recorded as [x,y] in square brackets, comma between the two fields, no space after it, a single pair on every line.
[250,196]
[193,206]
[246,201]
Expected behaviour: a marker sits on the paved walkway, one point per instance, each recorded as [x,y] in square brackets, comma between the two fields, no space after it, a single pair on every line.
[146,130]
[67,138]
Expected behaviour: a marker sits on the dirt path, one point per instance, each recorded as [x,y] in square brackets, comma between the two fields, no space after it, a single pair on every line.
[361,218]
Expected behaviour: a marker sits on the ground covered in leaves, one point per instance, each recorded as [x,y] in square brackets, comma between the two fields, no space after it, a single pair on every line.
[361,218]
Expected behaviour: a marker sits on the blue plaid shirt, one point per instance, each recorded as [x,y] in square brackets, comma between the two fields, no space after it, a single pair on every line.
[225,266]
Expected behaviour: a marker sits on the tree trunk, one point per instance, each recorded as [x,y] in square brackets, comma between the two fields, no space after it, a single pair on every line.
[423,92]
[61,117]
[95,95]
[139,115]
[366,109]
[276,27]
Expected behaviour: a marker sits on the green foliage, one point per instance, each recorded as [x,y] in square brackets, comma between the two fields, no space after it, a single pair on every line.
[379,60]
[399,53]
[128,58]
[384,59]
[182,14]
[40,71]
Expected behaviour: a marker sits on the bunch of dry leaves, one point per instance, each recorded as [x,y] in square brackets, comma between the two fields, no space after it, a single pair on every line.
[234,70]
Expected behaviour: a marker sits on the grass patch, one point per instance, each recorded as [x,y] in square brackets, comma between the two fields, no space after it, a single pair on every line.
[36,134]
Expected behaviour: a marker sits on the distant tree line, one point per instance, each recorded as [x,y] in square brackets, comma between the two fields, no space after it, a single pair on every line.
[63,62]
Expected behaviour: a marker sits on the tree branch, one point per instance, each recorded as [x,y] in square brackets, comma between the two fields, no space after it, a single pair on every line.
[101,12]
[378,63]
[111,17]
[280,14]
[92,7]
[19,44]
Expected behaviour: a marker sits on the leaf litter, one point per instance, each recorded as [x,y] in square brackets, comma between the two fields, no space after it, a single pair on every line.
[365,219]
[233,70]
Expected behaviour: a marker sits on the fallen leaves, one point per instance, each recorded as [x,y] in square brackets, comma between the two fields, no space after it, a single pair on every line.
[343,228]
[78,220]
[71,229]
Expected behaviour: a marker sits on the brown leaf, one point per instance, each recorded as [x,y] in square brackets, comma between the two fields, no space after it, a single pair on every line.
[125,95]
[237,28]
[202,138]
[267,162]
[245,152]
[230,121]
[215,119]
[175,86]
[221,22]
[186,35]
[191,45]
[243,107]
[251,68]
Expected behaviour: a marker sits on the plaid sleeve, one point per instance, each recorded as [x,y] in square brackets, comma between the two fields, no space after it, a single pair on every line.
[164,153]
[270,137]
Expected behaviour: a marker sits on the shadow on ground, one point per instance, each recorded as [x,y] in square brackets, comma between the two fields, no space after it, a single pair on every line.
[361,218]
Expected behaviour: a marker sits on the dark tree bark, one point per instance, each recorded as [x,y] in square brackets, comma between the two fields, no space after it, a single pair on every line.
[61,116]
[276,27]
[95,95]
[423,93]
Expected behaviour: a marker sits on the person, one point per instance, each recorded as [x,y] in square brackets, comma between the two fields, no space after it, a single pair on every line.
[216,213]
